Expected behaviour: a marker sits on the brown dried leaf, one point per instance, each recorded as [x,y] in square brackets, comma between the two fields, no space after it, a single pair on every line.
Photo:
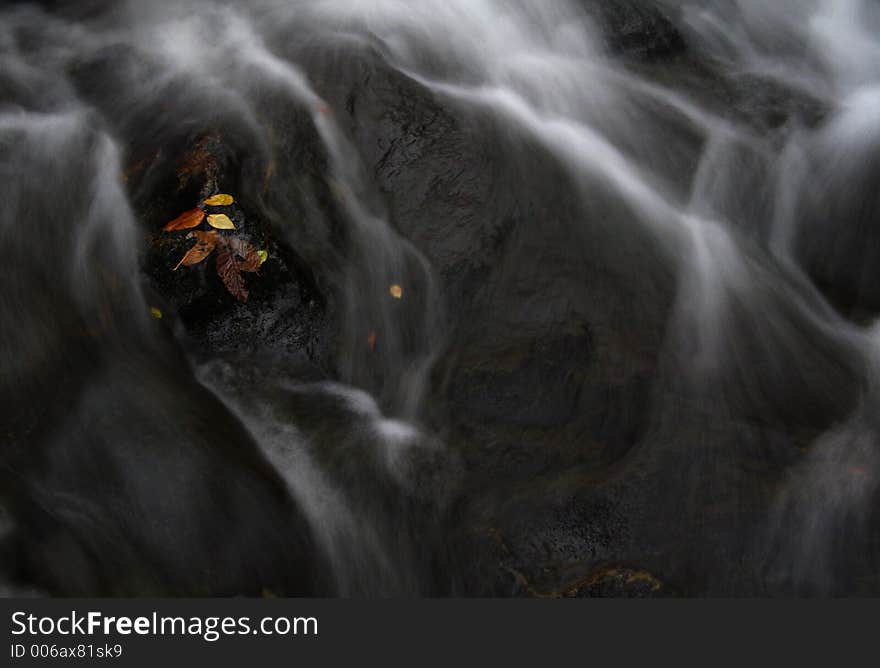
[186,220]
[205,243]
[229,272]
[247,256]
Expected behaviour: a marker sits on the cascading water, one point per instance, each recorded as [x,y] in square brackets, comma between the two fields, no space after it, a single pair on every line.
[590,283]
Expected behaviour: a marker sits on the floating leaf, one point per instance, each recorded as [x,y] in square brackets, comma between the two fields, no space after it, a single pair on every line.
[186,220]
[205,243]
[220,200]
[263,255]
[156,313]
[221,221]
[229,272]
[395,291]
[371,340]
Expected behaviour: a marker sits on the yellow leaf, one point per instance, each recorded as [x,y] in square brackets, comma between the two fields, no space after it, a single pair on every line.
[156,313]
[221,221]
[220,200]
[264,255]
[396,291]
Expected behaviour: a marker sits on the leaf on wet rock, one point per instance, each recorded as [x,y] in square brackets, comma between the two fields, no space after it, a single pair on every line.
[221,221]
[220,200]
[205,243]
[264,255]
[396,291]
[186,220]
[230,274]
[247,256]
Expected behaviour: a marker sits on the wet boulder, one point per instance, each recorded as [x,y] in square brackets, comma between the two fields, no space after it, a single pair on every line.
[638,30]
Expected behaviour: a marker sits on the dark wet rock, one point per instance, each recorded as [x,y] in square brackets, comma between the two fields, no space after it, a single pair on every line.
[559,399]
[534,386]
[836,215]
[434,166]
[772,103]
[637,29]
[549,385]
[170,169]
[283,315]
[762,104]
[285,312]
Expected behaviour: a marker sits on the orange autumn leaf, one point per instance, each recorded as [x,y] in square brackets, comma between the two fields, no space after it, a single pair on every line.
[205,243]
[395,291]
[234,256]
[371,341]
[186,220]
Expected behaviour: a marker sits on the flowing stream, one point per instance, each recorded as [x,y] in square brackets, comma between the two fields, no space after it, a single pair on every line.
[737,243]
